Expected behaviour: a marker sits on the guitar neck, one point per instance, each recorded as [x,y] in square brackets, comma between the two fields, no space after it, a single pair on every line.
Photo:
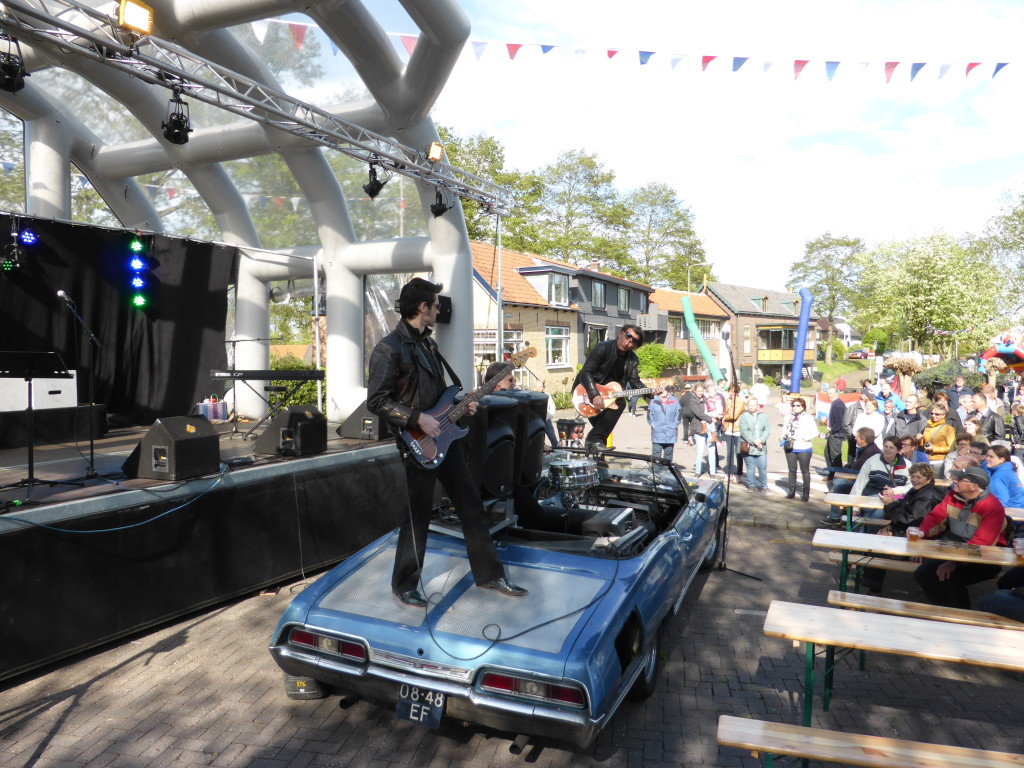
[634,392]
[459,410]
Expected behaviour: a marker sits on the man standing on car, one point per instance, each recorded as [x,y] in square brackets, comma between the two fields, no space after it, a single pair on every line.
[610,361]
[406,378]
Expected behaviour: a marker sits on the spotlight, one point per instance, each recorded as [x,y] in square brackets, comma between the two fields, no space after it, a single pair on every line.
[373,187]
[135,16]
[28,237]
[440,207]
[177,126]
[12,65]
[10,261]
[436,152]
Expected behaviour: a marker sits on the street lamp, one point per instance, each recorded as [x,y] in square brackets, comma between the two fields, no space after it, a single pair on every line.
[702,264]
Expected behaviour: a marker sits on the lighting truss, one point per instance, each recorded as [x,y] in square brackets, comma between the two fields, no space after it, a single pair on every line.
[57,24]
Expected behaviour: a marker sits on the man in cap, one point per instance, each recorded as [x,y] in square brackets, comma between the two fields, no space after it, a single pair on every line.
[968,514]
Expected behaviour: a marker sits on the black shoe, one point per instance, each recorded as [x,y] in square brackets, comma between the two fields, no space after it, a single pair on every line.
[413,598]
[790,494]
[502,585]
[829,522]
[805,496]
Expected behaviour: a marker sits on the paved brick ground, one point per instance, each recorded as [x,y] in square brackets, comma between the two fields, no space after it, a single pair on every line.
[204,692]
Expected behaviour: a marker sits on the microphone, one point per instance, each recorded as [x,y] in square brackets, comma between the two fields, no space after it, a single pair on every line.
[66,299]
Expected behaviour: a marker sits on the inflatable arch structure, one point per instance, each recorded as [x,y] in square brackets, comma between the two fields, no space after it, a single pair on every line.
[401,99]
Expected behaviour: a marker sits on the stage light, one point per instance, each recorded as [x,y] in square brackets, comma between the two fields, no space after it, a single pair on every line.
[136,246]
[177,126]
[28,237]
[440,207]
[436,152]
[140,268]
[12,65]
[135,16]
[10,262]
[373,187]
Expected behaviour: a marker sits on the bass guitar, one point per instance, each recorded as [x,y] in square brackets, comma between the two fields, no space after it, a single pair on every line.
[610,393]
[429,452]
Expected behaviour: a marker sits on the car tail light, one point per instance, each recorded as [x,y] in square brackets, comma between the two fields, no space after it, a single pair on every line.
[530,688]
[332,645]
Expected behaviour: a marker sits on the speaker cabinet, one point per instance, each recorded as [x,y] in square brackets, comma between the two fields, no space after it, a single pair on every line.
[364,425]
[299,430]
[529,427]
[176,448]
[492,445]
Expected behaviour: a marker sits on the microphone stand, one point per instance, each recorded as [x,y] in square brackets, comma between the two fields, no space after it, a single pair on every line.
[91,473]
[728,475]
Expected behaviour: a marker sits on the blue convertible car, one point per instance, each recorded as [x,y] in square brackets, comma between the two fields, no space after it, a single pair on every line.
[607,560]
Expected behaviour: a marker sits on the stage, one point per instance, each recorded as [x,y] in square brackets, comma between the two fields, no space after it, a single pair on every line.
[83,564]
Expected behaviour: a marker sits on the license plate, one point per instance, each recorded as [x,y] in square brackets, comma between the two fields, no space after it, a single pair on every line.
[420,705]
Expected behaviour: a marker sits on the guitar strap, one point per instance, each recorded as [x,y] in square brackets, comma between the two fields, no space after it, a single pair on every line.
[455,379]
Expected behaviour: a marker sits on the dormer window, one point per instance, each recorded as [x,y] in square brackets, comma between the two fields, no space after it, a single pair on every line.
[558,290]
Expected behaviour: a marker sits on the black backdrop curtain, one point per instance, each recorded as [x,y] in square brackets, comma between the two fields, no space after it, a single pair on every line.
[152,362]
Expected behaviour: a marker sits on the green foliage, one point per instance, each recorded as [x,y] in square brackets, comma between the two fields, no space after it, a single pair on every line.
[770,381]
[876,339]
[306,394]
[947,372]
[563,400]
[292,321]
[838,349]
[655,358]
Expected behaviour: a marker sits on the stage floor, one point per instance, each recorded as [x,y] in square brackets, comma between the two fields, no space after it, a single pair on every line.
[67,464]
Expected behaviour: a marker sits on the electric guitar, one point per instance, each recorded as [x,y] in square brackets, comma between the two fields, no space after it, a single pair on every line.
[429,452]
[610,393]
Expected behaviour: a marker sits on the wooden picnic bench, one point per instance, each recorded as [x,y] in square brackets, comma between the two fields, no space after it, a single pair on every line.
[852,748]
[920,610]
[920,638]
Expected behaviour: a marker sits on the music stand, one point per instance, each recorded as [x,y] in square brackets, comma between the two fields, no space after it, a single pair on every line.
[29,366]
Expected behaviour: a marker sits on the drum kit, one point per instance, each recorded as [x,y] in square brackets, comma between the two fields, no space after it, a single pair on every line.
[572,477]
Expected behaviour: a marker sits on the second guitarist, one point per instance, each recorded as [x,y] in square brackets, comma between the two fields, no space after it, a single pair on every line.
[609,361]
[406,378]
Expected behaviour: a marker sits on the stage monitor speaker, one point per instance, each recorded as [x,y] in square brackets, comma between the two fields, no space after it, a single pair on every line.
[529,427]
[444,311]
[364,425]
[299,430]
[491,445]
[176,448]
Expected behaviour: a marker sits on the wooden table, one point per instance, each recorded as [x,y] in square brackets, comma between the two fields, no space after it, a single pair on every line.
[1016,513]
[852,541]
[849,502]
[921,638]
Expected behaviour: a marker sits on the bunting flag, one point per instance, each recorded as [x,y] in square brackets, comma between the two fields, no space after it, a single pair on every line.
[299,30]
[171,193]
[409,41]
[298,34]
[259,28]
[8,166]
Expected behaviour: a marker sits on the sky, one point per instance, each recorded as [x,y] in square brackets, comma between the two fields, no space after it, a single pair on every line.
[764,160]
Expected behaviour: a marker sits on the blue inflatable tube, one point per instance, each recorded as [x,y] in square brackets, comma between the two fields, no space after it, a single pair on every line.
[806,299]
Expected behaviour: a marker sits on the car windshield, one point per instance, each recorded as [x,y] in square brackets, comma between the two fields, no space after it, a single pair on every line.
[632,469]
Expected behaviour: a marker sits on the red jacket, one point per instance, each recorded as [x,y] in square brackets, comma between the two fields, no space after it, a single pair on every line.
[983,523]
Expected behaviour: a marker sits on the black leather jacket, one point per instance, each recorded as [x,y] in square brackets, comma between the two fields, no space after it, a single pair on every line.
[599,364]
[406,376]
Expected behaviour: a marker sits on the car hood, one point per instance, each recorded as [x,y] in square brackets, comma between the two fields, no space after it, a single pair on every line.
[464,621]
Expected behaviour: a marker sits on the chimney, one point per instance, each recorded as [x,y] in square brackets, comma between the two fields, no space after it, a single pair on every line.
[594,266]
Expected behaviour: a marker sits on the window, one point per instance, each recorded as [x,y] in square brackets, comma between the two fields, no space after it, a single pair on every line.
[556,341]
[595,335]
[676,324]
[746,339]
[485,342]
[643,303]
[709,329]
[623,299]
[558,290]
[598,298]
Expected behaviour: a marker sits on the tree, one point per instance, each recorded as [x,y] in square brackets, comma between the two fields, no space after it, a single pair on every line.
[662,241]
[484,156]
[827,270]
[582,217]
[913,289]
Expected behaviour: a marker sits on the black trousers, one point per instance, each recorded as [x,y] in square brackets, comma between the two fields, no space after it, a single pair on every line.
[602,425]
[952,592]
[412,536]
[834,450]
[803,460]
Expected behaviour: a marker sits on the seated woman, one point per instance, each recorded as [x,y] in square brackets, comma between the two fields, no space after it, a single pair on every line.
[865,450]
[885,470]
[1004,483]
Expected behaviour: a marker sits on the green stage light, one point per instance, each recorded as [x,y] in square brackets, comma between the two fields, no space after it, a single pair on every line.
[139,301]
[136,246]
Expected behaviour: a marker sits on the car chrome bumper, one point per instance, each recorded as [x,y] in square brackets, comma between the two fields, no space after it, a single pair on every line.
[463,701]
